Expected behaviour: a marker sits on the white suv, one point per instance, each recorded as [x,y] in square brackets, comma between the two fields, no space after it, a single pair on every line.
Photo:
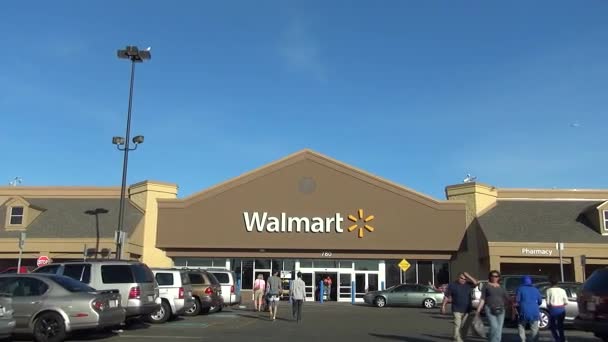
[175,292]
[230,292]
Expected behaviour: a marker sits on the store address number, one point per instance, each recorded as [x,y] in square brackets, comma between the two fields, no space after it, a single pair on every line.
[326,254]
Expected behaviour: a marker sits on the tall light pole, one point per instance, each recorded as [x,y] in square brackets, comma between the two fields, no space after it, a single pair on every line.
[136,56]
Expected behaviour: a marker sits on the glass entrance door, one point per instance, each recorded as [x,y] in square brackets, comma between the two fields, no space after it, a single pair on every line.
[344,287]
[365,282]
[309,285]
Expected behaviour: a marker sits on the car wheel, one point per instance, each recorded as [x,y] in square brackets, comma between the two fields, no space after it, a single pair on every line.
[162,315]
[380,302]
[428,303]
[215,309]
[195,309]
[205,311]
[49,327]
[543,322]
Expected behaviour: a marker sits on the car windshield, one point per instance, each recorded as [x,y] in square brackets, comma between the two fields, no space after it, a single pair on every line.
[72,285]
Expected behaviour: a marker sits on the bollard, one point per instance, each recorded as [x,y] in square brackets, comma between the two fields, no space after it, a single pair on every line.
[321,291]
[352,292]
[382,285]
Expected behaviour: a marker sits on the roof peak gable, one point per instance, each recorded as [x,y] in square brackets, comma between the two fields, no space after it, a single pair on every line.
[308,154]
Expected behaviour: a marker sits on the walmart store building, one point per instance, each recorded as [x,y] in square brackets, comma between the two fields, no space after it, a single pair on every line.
[313,214]
[310,213]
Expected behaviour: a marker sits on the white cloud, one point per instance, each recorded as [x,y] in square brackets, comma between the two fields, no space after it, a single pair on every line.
[300,50]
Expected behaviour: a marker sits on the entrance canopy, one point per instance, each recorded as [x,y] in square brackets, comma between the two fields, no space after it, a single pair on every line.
[308,205]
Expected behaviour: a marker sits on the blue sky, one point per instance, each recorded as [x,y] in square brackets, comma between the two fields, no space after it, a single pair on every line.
[420,93]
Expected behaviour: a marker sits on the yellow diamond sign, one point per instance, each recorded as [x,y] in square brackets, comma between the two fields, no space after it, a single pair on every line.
[404,265]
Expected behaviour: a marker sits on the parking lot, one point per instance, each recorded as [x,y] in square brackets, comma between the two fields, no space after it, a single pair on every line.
[330,321]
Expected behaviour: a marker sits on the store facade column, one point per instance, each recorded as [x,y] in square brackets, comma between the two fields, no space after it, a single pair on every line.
[579,269]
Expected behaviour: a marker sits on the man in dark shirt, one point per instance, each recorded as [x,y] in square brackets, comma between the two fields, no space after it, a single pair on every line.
[459,293]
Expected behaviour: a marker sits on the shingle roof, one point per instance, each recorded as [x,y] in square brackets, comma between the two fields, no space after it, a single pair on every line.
[540,221]
[66,218]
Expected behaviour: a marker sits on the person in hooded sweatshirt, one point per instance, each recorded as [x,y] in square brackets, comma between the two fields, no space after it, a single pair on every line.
[528,300]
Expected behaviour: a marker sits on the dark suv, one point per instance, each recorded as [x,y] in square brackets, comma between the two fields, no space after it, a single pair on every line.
[593,305]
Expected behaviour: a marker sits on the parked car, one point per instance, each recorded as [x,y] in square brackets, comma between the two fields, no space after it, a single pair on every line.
[206,290]
[133,279]
[51,306]
[230,293]
[593,305]
[571,289]
[7,321]
[175,292]
[22,269]
[405,294]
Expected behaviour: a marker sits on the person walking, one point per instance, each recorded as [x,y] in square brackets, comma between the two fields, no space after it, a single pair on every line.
[259,285]
[297,292]
[327,287]
[459,293]
[557,299]
[527,301]
[494,299]
[274,287]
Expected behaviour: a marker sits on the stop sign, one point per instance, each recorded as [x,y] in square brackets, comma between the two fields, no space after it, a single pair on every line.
[43,260]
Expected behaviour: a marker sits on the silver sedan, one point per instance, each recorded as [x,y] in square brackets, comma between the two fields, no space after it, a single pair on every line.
[51,306]
[405,294]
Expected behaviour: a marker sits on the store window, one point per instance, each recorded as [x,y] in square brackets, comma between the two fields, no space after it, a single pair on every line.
[393,273]
[425,272]
[305,263]
[345,264]
[16,217]
[442,272]
[606,220]
[325,264]
[411,275]
[262,264]
[366,265]
[199,262]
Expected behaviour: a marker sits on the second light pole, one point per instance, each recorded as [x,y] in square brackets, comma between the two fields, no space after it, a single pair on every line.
[123,144]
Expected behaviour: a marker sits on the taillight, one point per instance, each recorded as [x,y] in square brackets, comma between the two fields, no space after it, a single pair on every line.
[181,293]
[135,292]
[98,305]
[232,289]
[208,291]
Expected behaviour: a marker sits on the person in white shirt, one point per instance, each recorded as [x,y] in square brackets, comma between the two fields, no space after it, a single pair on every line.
[298,295]
[557,299]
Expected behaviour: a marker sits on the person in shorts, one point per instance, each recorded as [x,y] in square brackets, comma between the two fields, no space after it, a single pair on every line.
[259,285]
[274,289]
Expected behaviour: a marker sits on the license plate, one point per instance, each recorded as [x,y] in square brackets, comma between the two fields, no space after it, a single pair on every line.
[150,298]
[590,306]
[113,303]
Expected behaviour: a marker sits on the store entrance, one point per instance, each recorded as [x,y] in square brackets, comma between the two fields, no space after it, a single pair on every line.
[331,292]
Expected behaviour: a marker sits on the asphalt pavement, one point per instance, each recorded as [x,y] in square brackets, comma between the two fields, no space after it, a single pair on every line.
[328,321]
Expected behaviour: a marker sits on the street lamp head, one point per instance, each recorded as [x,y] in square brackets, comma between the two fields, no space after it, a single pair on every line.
[118,140]
[134,54]
[139,139]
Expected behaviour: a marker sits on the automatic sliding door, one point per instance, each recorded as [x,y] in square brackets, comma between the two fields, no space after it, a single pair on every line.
[344,287]
[309,287]
[360,284]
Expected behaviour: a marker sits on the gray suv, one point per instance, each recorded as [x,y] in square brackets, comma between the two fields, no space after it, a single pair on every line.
[133,279]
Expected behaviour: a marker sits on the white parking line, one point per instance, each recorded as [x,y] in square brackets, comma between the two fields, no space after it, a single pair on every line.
[164,337]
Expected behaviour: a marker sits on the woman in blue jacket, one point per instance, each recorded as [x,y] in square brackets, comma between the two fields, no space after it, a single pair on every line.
[528,300]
